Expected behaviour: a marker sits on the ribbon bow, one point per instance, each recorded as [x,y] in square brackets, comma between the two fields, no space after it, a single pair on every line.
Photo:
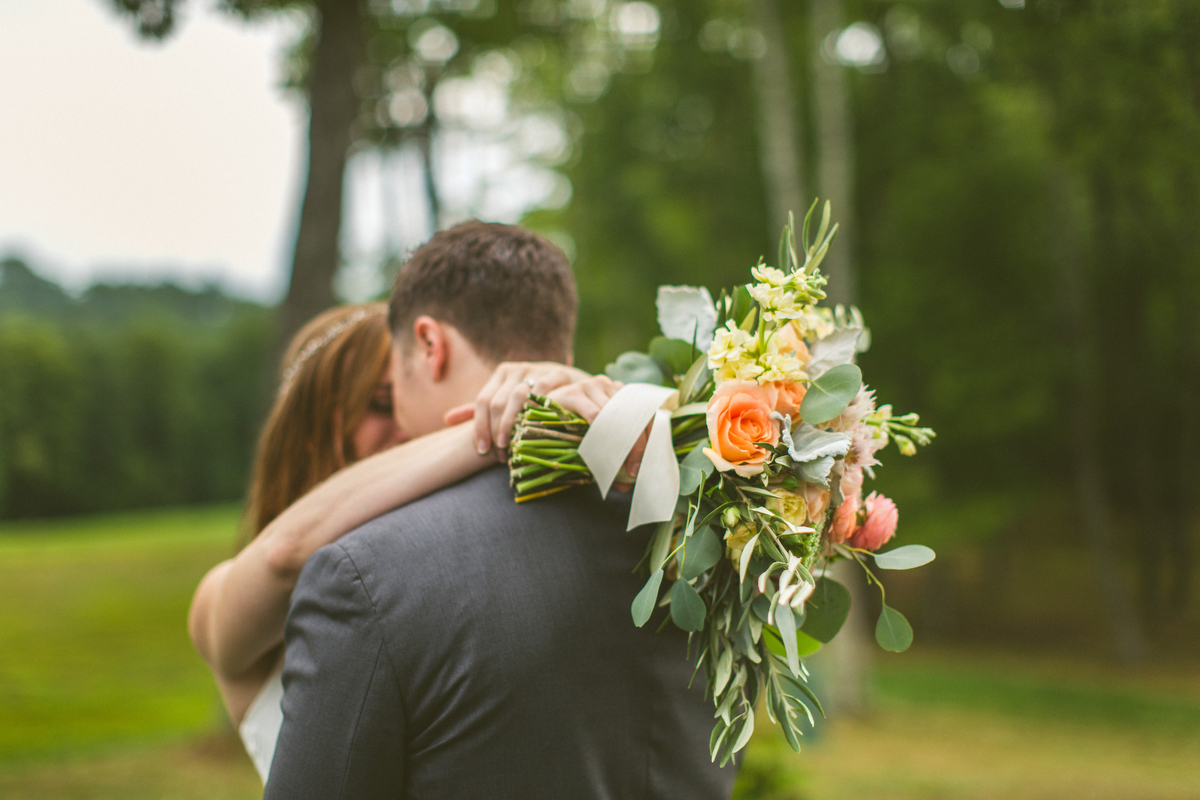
[612,435]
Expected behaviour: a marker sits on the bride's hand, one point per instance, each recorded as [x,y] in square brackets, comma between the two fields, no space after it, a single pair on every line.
[503,396]
[586,398]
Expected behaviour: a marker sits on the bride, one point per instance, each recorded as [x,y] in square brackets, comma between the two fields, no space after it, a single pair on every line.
[331,458]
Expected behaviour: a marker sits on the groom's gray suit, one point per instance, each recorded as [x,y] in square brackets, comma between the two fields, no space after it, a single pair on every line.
[465,646]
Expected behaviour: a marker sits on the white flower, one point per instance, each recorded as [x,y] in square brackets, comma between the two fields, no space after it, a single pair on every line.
[783,295]
[743,369]
[729,344]
[770,275]
[781,367]
[816,323]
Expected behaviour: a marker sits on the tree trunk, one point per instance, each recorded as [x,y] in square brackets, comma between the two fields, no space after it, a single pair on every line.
[780,149]
[424,137]
[1095,513]
[1183,517]
[333,107]
[835,149]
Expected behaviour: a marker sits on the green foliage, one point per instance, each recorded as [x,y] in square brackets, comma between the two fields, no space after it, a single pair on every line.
[829,394]
[93,645]
[907,557]
[701,552]
[635,367]
[826,610]
[128,398]
[687,607]
[892,631]
[647,598]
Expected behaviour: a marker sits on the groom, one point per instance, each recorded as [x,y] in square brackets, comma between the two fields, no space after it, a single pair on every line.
[465,646]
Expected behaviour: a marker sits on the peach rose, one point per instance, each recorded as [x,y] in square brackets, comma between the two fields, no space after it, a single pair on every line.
[787,340]
[818,502]
[845,520]
[739,414]
[791,394]
[880,525]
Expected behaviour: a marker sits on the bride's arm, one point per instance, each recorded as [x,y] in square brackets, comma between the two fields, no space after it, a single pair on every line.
[239,609]
[238,612]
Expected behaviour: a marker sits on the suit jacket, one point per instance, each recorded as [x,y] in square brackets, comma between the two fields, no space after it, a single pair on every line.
[465,646]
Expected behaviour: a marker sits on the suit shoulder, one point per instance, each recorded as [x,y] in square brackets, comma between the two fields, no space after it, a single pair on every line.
[478,494]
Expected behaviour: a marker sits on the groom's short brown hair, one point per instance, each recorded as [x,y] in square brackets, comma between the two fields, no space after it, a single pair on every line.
[507,290]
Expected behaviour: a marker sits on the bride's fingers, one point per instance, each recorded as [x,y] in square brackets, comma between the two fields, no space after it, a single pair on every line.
[575,398]
[504,422]
[600,389]
[514,390]
[459,414]
[633,463]
[483,404]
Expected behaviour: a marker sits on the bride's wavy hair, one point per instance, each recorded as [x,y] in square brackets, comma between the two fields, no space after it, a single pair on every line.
[328,376]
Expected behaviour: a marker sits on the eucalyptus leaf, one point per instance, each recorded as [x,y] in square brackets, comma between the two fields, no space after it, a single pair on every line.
[675,354]
[826,610]
[834,350]
[786,623]
[702,551]
[694,468]
[893,631]
[761,607]
[635,367]
[690,479]
[687,608]
[643,604]
[687,313]
[805,644]
[907,557]
[699,460]
[829,395]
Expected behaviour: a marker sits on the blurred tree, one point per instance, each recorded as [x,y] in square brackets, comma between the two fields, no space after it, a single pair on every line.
[328,64]
[129,396]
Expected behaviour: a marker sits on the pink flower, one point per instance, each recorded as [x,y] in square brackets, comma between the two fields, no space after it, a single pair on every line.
[852,481]
[817,500]
[880,525]
[844,521]
[862,404]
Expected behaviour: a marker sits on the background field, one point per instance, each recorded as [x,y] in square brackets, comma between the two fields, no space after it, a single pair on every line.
[102,696]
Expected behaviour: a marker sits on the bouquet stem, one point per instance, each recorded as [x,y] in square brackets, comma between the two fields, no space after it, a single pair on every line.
[544,456]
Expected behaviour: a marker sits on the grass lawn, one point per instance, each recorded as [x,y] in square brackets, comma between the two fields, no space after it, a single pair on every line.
[93,640]
[102,696]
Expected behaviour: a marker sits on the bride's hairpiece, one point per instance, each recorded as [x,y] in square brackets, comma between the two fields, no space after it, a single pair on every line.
[315,345]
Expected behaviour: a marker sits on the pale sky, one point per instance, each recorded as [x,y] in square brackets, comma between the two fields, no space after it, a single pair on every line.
[133,160]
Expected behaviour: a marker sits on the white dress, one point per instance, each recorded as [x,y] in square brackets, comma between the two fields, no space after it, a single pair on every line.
[260,727]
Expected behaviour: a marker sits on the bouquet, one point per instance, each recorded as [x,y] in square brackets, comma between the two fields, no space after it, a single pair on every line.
[775,435]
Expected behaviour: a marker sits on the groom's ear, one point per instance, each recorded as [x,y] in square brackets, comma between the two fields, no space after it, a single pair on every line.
[430,346]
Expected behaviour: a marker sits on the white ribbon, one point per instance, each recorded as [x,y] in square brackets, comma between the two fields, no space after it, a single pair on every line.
[614,432]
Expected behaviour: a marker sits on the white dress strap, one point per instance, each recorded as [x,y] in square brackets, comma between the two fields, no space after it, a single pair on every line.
[260,727]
